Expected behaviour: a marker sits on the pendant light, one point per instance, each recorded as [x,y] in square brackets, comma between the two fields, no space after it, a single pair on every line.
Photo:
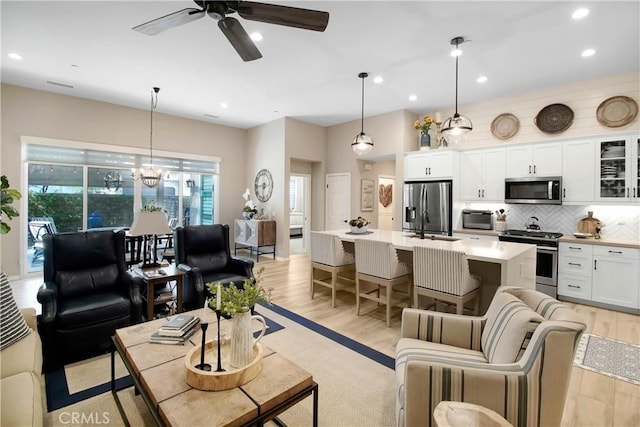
[455,128]
[362,143]
[149,176]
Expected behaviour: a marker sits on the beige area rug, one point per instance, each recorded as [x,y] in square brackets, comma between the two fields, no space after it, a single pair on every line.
[353,389]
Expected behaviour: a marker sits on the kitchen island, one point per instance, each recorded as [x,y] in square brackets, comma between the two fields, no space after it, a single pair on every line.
[497,263]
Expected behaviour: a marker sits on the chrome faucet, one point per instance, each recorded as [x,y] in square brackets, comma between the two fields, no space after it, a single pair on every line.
[425,218]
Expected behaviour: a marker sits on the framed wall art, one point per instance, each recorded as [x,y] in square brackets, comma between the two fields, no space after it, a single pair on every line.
[366,195]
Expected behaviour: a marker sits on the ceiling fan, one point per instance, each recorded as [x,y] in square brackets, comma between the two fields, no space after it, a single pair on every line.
[270,13]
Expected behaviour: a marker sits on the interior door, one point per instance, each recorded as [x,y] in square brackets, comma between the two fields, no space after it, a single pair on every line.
[337,200]
[386,201]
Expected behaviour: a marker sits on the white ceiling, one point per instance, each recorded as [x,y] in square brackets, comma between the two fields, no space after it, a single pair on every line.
[313,76]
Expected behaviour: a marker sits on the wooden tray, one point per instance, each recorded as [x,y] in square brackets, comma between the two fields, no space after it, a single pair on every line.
[216,381]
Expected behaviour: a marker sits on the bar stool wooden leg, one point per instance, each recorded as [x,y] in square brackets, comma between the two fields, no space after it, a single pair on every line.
[334,280]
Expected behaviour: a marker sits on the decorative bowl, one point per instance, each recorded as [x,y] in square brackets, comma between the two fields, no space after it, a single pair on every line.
[214,381]
[359,230]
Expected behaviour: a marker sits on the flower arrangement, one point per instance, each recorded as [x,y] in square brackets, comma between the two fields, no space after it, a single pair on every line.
[358,222]
[234,300]
[249,207]
[424,127]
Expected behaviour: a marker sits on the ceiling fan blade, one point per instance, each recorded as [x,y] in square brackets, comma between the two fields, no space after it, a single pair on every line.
[239,39]
[307,19]
[171,20]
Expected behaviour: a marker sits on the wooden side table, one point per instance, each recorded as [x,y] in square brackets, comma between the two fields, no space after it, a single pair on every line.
[462,414]
[152,277]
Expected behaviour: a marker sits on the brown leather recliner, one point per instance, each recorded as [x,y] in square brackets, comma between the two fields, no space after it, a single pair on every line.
[87,294]
[203,252]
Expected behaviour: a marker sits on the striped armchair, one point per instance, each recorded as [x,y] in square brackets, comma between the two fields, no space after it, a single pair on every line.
[515,360]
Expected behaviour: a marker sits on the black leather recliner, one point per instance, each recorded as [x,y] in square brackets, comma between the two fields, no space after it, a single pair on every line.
[87,294]
[202,251]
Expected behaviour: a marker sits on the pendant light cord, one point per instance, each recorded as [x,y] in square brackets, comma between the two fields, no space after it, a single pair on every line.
[362,114]
[457,56]
[154,104]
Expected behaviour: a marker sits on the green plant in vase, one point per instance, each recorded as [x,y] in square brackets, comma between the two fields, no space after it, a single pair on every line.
[7,197]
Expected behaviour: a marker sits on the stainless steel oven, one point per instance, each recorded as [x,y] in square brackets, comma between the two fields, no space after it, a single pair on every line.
[546,256]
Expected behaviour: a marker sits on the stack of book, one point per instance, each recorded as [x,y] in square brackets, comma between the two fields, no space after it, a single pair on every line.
[177,330]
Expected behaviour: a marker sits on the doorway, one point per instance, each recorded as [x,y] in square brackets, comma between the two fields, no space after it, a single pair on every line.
[337,200]
[299,212]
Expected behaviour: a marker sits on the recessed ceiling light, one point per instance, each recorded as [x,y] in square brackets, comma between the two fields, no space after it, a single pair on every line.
[15,56]
[224,105]
[378,79]
[256,37]
[413,97]
[580,13]
[588,52]
[482,79]
[456,52]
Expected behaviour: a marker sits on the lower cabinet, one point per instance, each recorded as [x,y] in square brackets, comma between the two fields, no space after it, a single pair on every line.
[615,276]
[601,274]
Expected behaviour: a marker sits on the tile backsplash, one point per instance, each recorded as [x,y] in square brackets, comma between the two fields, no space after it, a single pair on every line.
[619,222]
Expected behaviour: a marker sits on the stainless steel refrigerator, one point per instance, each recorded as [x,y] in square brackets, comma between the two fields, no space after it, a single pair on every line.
[427,207]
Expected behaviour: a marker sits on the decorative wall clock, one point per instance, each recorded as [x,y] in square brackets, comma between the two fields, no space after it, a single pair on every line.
[263,185]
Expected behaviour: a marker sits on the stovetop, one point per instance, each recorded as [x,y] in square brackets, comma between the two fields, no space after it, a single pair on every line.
[536,234]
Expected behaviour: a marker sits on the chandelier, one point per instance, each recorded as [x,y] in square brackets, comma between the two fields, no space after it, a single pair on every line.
[149,176]
[455,128]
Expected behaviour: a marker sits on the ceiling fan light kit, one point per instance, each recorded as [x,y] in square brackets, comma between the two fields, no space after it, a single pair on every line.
[305,19]
[149,176]
[455,128]
[362,143]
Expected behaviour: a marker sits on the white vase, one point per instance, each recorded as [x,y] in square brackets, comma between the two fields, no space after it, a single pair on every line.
[242,341]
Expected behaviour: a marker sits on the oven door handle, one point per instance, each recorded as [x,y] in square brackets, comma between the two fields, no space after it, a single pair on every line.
[546,249]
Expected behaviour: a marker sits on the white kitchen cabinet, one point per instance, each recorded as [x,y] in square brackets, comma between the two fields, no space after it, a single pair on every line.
[615,276]
[578,177]
[600,274]
[531,160]
[438,164]
[617,162]
[482,174]
[574,270]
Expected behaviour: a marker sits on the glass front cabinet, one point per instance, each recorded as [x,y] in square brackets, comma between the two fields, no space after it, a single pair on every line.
[619,167]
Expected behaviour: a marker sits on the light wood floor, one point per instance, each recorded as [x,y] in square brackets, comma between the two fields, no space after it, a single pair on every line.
[593,399]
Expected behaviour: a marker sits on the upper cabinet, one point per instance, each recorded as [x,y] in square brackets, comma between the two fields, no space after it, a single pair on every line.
[438,164]
[578,176]
[531,160]
[618,165]
[482,174]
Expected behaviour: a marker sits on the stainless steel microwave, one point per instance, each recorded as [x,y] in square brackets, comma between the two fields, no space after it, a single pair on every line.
[538,190]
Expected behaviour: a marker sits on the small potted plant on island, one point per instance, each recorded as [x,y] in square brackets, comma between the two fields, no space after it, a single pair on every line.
[358,225]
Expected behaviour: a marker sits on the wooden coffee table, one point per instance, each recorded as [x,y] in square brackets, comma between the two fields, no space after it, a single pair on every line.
[158,373]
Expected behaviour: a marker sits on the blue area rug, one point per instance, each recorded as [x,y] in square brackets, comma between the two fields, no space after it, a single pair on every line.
[57,389]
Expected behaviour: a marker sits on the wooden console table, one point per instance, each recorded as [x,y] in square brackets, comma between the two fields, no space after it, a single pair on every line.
[255,234]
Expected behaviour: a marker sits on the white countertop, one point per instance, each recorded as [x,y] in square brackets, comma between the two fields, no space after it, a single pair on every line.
[479,250]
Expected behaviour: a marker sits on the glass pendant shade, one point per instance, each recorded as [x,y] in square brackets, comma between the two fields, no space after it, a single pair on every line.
[456,128]
[362,144]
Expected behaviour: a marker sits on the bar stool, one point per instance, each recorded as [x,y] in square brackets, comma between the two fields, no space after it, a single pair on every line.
[377,263]
[443,275]
[328,255]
